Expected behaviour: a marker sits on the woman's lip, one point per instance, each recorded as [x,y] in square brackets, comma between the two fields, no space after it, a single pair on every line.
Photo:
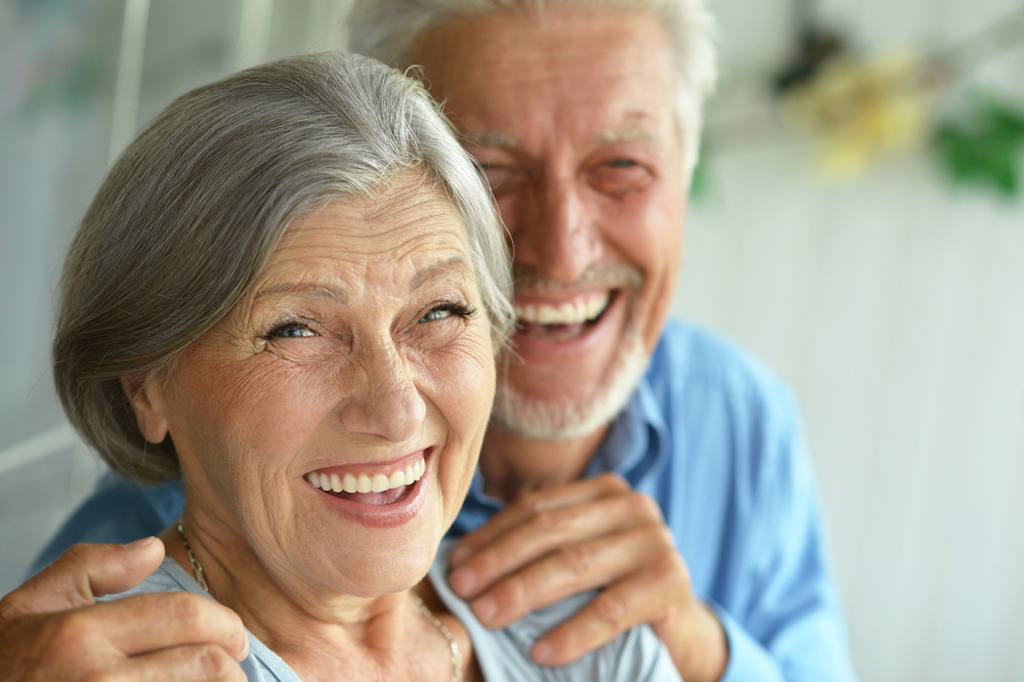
[389,515]
[372,468]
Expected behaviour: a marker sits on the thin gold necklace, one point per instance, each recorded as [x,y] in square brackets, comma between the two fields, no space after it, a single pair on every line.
[453,646]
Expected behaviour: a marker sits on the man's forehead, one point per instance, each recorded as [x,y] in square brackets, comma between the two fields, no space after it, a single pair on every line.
[584,77]
[523,47]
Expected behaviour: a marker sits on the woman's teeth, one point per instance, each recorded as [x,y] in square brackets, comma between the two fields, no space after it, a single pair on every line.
[567,313]
[365,483]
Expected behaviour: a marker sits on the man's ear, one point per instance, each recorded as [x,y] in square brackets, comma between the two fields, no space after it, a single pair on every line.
[143,391]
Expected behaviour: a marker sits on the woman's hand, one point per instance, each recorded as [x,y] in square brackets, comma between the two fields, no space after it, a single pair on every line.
[51,628]
[593,533]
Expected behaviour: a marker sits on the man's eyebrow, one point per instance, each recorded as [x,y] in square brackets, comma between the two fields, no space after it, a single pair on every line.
[489,138]
[623,135]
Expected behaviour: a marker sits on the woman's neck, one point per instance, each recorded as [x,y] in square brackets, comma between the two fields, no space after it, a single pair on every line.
[325,637]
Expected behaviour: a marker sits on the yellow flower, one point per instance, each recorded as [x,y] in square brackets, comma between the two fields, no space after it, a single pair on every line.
[862,110]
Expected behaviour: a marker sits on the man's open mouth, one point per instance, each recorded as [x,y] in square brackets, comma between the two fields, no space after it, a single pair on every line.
[563,322]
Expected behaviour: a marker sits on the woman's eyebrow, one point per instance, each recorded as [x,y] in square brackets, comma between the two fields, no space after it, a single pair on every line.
[457,265]
[317,289]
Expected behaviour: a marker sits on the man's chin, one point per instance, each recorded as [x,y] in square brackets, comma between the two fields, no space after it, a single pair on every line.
[565,419]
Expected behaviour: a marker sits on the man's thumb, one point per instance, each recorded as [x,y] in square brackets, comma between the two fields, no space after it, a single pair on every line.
[86,571]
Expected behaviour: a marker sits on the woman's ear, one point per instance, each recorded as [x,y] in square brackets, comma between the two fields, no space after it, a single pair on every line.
[143,391]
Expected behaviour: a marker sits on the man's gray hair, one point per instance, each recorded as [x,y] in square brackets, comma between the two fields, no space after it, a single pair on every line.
[387,29]
[192,210]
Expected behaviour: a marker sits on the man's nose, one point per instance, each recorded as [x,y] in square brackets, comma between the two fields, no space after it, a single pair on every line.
[384,400]
[558,234]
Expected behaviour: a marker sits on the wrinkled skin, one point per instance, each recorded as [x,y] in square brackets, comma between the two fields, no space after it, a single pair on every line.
[572,121]
[51,628]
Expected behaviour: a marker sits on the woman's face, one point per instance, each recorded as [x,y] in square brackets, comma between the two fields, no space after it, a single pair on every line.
[360,359]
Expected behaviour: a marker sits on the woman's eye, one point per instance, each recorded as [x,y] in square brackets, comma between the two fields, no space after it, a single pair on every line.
[290,330]
[446,310]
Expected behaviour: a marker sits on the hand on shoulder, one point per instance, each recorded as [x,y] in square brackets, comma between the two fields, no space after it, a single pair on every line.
[52,628]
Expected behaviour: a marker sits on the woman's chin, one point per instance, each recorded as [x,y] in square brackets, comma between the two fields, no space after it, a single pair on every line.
[383,569]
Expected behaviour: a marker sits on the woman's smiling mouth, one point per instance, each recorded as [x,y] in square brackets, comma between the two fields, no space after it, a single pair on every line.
[371,488]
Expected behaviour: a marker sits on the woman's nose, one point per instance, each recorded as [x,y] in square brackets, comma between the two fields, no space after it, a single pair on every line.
[385,402]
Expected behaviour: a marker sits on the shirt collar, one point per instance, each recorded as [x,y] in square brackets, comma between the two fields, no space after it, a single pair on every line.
[637,442]
[635,448]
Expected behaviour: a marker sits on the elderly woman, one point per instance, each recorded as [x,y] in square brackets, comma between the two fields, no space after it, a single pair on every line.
[289,291]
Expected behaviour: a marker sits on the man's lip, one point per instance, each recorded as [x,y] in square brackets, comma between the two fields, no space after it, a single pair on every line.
[558,298]
[545,344]
[564,310]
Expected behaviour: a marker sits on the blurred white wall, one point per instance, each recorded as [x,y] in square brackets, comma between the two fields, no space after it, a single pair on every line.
[891,303]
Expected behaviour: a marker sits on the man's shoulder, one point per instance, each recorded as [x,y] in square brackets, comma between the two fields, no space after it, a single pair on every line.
[725,412]
[695,358]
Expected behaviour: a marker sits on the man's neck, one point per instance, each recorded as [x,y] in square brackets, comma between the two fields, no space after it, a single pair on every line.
[512,465]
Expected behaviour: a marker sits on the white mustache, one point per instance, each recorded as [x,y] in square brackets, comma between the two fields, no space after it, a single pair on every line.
[528,278]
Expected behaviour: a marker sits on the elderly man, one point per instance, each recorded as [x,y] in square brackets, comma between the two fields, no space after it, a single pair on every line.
[585,118]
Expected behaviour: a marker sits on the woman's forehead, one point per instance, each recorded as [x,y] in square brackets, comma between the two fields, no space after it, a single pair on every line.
[404,237]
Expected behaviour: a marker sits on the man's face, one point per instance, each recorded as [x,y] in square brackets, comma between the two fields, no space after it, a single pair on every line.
[571,118]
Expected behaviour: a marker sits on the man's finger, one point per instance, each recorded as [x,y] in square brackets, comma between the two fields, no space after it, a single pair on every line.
[151,622]
[527,506]
[613,611]
[198,663]
[573,568]
[84,572]
[551,531]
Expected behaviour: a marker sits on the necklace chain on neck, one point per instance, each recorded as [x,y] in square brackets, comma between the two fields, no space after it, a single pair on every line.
[446,633]
[192,558]
[424,611]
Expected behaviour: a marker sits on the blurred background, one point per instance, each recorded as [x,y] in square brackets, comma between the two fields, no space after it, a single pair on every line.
[858,222]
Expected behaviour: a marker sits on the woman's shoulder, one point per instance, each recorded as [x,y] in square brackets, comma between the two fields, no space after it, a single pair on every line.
[261,665]
[168,577]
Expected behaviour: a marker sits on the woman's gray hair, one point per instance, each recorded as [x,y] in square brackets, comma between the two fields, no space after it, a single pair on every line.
[387,29]
[192,210]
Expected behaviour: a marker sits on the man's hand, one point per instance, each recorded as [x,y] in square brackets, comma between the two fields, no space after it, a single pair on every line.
[51,628]
[593,533]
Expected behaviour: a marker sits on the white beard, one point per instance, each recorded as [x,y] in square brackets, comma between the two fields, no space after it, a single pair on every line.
[539,419]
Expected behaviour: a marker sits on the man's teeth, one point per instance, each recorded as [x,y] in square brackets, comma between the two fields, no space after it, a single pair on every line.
[365,483]
[567,313]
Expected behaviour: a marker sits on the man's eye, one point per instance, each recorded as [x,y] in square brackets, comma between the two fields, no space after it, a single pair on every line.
[290,330]
[619,175]
[502,178]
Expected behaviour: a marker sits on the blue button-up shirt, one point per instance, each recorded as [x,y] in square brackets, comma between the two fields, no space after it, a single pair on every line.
[715,438]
